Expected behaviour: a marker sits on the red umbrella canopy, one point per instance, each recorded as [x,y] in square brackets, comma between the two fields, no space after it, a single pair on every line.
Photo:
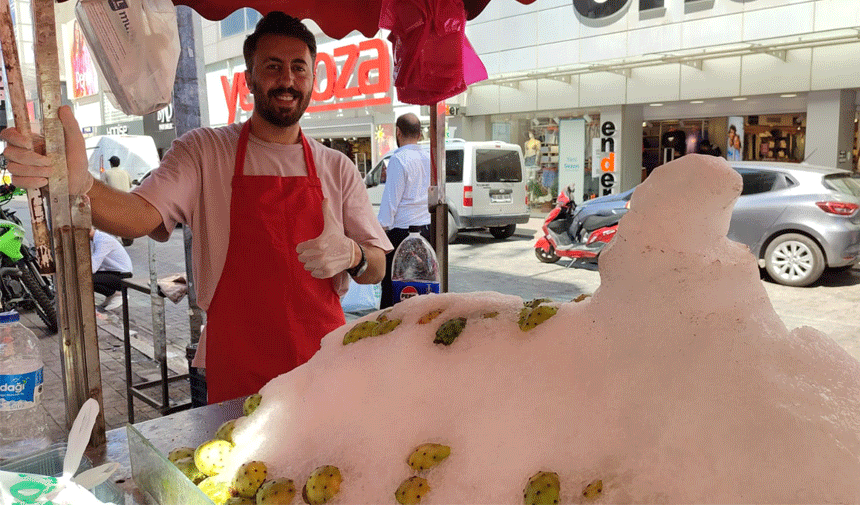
[337,18]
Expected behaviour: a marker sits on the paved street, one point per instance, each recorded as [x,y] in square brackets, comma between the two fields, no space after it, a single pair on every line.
[477,262]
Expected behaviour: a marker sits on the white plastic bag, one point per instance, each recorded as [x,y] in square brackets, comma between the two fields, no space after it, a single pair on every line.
[22,488]
[361,297]
[136,45]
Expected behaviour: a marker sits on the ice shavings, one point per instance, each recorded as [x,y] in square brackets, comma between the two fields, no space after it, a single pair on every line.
[675,382]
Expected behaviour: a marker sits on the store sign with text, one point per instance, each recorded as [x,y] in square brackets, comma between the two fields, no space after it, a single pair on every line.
[597,13]
[351,76]
[604,157]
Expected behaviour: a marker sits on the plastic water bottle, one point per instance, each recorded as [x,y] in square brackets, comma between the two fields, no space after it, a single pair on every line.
[414,270]
[23,428]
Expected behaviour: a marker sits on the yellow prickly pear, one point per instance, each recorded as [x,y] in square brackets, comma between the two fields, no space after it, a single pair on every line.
[427,456]
[189,469]
[383,316]
[248,479]
[593,489]
[251,403]
[225,431]
[217,490]
[536,316]
[433,314]
[450,330]
[537,301]
[543,489]
[361,330]
[580,298]
[276,492]
[411,491]
[386,327]
[490,315]
[180,453]
[211,455]
[240,500]
[322,485]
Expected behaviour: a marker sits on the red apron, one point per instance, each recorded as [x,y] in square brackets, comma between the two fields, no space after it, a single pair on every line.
[268,313]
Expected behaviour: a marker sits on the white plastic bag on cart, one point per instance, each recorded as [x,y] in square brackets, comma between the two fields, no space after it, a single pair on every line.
[21,488]
[361,297]
[136,45]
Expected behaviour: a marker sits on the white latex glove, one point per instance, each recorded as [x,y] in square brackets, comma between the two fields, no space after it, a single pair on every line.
[30,169]
[329,254]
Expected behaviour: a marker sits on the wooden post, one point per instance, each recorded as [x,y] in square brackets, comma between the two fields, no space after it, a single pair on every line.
[436,199]
[71,220]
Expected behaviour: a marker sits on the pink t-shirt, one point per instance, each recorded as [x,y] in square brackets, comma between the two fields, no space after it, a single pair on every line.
[193,186]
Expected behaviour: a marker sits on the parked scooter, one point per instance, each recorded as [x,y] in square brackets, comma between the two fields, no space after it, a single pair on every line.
[571,232]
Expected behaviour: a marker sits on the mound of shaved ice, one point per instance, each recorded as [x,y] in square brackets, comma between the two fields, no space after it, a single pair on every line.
[675,383]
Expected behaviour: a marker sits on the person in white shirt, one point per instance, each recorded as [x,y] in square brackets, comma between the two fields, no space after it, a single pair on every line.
[404,199]
[111,263]
[116,176]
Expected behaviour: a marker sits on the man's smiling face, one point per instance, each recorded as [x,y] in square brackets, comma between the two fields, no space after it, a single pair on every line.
[282,79]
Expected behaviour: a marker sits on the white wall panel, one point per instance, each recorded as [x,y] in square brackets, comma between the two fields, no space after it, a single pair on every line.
[491,62]
[601,88]
[522,99]
[557,94]
[515,32]
[836,67]
[763,74]
[658,39]
[654,84]
[558,55]
[778,22]
[483,100]
[518,60]
[718,77]
[484,37]
[832,14]
[712,31]
[555,25]
[605,47]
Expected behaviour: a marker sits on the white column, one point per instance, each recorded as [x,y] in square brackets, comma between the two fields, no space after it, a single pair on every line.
[617,158]
[830,127]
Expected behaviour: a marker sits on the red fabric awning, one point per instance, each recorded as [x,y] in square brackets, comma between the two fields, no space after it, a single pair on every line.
[336,18]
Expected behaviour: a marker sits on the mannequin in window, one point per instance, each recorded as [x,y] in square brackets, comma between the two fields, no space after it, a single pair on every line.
[531,150]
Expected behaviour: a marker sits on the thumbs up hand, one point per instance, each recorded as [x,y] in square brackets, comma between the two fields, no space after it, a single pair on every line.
[330,253]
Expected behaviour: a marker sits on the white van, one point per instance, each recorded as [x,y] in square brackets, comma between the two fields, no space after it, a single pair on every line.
[137,154]
[484,186]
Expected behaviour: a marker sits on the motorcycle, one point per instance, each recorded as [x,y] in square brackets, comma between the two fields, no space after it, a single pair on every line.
[22,286]
[574,232]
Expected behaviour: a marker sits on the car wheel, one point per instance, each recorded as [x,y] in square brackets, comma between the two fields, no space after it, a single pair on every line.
[546,256]
[794,260]
[452,228]
[503,232]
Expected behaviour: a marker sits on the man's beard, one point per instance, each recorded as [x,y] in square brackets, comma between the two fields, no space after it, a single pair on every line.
[265,106]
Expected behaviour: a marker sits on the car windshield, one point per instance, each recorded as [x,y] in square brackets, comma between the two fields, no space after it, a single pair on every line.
[847,184]
[497,165]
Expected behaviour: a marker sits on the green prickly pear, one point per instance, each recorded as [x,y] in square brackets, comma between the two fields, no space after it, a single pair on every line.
[593,489]
[427,456]
[276,492]
[433,314]
[322,485]
[543,489]
[180,453]
[211,455]
[225,431]
[536,316]
[251,403]
[240,500]
[450,330]
[189,469]
[217,490]
[536,302]
[248,479]
[386,327]
[359,331]
[411,491]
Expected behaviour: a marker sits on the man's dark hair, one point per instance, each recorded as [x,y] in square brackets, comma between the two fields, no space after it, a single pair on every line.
[732,128]
[410,125]
[278,23]
[114,161]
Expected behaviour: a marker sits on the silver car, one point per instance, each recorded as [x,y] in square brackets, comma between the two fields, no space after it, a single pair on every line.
[798,219]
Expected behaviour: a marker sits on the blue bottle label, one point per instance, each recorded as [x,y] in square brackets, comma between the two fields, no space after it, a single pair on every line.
[402,290]
[20,391]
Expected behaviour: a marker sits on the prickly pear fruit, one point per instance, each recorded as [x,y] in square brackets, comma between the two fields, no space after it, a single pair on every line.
[217,490]
[593,490]
[240,500]
[490,315]
[248,479]
[386,327]
[411,491]
[427,456]
[383,316]
[189,469]
[251,403]
[536,302]
[359,331]
[536,316]
[543,489]
[580,298]
[433,314]
[180,453]
[225,431]
[211,455]
[276,492]
[322,485]
[450,330]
